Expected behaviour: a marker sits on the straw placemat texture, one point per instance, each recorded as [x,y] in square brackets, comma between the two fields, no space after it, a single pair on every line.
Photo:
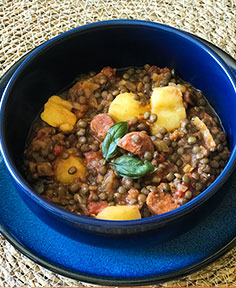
[24,24]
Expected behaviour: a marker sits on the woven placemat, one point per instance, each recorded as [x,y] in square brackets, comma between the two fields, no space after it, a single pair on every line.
[24,24]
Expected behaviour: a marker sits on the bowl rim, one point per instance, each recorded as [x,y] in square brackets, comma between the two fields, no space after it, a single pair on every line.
[72,217]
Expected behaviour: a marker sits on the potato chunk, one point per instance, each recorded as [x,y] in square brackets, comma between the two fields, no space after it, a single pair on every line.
[62,166]
[167,103]
[119,213]
[57,113]
[61,102]
[207,137]
[124,107]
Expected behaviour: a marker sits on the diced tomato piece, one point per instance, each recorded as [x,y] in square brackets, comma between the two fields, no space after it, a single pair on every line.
[58,149]
[96,207]
[182,189]
[179,194]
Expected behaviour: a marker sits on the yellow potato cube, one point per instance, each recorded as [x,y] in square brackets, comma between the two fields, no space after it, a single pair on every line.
[57,114]
[119,213]
[66,127]
[167,103]
[124,107]
[62,166]
[59,101]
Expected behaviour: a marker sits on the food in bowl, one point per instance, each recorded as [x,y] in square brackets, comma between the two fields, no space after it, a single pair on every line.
[125,144]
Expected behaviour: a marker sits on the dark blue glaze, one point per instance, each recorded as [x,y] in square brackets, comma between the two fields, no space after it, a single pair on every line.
[109,261]
[118,43]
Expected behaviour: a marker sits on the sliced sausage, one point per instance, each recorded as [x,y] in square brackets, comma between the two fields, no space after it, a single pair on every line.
[160,202]
[101,124]
[137,143]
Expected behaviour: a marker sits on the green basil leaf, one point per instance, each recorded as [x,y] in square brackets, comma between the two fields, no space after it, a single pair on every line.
[109,145]
[132,167]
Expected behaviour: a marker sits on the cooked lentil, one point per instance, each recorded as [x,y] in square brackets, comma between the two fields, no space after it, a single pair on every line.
[185,166]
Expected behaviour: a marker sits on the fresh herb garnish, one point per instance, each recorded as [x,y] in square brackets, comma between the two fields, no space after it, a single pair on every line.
[109,145]
[132,167]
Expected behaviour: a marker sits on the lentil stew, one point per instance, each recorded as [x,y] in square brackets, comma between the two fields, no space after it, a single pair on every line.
[125,144]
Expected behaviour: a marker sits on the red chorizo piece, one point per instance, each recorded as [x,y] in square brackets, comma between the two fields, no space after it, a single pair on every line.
[137,143]
[101,124]
[160,202]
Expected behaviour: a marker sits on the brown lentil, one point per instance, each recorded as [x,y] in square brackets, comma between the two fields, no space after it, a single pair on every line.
[170,177]
[147,155]
[186,179]
[153,118]
[146,115]
[141,198]
[72,170]
[188,195]
[136,138]
[166,188]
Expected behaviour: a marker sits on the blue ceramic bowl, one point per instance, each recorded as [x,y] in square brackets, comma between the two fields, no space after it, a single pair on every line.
[118,43]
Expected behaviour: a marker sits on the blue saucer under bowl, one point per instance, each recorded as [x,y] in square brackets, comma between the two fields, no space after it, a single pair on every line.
[137,260]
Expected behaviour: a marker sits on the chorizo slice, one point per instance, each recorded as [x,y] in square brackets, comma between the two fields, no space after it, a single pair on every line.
[160,202]
[137,143]
[101,124]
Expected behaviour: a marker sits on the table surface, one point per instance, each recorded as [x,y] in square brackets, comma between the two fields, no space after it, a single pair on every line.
[26,24]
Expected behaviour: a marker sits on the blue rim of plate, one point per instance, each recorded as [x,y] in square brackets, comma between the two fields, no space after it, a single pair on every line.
[108,281]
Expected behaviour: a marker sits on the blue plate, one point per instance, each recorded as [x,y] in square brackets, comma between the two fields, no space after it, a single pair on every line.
[139,260]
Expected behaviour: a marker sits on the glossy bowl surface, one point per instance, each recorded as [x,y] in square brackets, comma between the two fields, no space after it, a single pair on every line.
[117,43]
